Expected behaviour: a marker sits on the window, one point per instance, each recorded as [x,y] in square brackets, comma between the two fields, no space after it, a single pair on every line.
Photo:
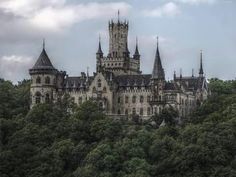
[80,100]
[141,99]
[38,80]
[126,112]
[99,83]
[118,112]
[155,110]
[148,111]
[100,106]
[94,89]
[38,98]
[47,98]
[134,111]
[148,98]
[141,111]
[47,80]
[126,99]
[134,99]
[118,100]
[104,89]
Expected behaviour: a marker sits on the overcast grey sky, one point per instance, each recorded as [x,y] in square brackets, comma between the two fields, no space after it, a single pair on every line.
[72,27]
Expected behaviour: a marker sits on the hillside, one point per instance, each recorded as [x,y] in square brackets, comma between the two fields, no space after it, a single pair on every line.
[50,141]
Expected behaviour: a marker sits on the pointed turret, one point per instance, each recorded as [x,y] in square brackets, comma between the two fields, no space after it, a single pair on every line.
[99,52]
[136,53]
[201,67]
[43,63]
[158,71]
[99,56]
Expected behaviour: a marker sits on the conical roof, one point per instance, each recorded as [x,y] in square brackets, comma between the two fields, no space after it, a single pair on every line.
[43,61]
[201,67]
[99,47]
[158,71]
[136,53]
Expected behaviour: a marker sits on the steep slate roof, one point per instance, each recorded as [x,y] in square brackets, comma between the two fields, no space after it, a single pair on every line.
[76,82]
[158,71]
[133,80]
[43,61]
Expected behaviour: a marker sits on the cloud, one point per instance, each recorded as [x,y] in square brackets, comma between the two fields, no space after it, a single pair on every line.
[56,15]
[11,67]
[196,2]
[169,9]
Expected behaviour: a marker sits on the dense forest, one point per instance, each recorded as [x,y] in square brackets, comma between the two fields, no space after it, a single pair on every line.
[63,140]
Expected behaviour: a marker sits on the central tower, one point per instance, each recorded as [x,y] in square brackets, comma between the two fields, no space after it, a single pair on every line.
[118,38]
[118,59]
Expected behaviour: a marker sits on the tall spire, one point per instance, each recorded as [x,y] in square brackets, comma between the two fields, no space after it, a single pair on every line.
[118,13]
[99,46]
[158,71]
[136,53]
[43,43]
[201,67]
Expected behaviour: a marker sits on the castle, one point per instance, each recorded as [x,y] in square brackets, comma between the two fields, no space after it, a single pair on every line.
[118,85]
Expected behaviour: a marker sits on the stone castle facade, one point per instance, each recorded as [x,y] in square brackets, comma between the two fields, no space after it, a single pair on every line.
[118,85]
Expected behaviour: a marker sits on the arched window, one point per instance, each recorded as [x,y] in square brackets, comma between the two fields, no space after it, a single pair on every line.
[148,98]
[148,111]
[104,89]
[118,112]
[47,80]
[100,106]
[99,83]
[141,99]
[134,99]
[38,98]
[134,111]
[126,112]
[118,100]
[94,89]
[80,100]
[141,111]
[126,99]
[47,98]
[38,80]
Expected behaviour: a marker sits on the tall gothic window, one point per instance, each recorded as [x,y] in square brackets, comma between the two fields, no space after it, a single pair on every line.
[134,99]
[118,100]
[80,100]
[47,98]
[141,99]
[126,111]
[38,98]
[47,80]
[148,111]
[148,98]
[126,99]
[134,111]
[141,111]
[94,89]
[118,112]
[38,80]
[99,83]
[104,89]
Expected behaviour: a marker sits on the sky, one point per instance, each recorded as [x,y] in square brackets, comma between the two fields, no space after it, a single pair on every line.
[71,29]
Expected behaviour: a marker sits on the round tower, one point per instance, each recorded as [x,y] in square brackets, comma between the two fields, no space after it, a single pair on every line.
[43,80]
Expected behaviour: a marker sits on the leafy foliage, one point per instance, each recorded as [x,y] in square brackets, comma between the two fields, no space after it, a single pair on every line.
[62,140]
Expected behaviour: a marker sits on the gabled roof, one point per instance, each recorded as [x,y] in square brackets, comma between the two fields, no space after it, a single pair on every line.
[43,62]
